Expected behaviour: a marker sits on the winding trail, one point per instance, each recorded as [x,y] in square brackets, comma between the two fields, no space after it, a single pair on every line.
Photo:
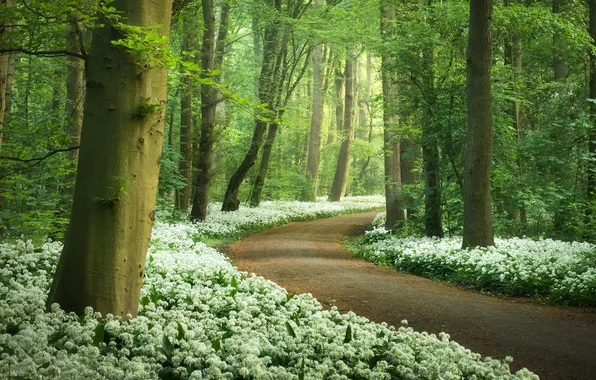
[555,343]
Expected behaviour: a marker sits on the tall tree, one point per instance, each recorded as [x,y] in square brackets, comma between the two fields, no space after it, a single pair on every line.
[559,62]
[4,68]
[74,90]
[186,113]
[103,261]
[312,166]
[347,134]
[391,142]
[478,229]
[212,59]
[591,183]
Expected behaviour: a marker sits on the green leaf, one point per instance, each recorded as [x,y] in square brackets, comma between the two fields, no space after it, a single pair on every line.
[234,283]
[99,334]
[290,329]
[302,369]
[180,331]
[167,346]
[348,337]
[216,344]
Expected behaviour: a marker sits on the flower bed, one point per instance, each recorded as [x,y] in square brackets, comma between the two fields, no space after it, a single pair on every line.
[564,272]
[200,318]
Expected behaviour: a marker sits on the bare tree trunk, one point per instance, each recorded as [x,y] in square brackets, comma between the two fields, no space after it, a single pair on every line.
[103,261]
[478,230]
[212,60]
[559,61]
[409,175]
[591,170]
[433,223]
[314,144]
[339,108]
[341,172]
[186,117]
[391,142]
[4,70]
[259,183]
[231,201]
[74,96]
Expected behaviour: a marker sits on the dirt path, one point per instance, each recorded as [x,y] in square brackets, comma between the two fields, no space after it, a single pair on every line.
[555,343]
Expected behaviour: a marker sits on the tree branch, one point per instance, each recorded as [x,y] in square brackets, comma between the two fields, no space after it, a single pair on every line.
[37,159]
[43,53]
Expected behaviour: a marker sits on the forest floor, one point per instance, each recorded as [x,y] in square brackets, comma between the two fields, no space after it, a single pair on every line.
[308,257]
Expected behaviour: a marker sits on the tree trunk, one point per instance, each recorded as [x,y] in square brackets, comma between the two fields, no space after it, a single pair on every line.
[212,59]
[478,230]
[591,180]
[103,261]
[4,69]
[433,224]
[343,162]
[314,143]
[409,175]
[74,96]
[186,114]
[559,61]
[257,189]
[391,142]
[231,201]
[339,108]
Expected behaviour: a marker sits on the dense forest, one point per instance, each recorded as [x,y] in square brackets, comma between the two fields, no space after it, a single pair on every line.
[474,119]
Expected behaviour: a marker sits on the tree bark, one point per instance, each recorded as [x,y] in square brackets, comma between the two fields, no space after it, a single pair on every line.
[339,108]
[186,114]
[478,230]
[591,170]
[391,140]
[74,96]
[103,261]
[433,223]
[409,175]
[4,69]
[314,143]
[212,59]
[231,201]
[259,183]
[560,68]
[343,162]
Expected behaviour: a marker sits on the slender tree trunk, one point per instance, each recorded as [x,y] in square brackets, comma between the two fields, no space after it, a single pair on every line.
[391,141]
[103,261]
[591,180]
[4,69]
[559,61]
[186,114]
[478,230]
[433,223]
[231,201]
[560,71]
[257,189]
[9,89]
[341,172]
[409,175]
[339,101]
[314,144]
[212,59]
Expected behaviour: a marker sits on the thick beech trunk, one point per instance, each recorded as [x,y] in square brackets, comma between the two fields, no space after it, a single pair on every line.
[103,261]
[391,142]
[212,59]
[478,230]
[343,162]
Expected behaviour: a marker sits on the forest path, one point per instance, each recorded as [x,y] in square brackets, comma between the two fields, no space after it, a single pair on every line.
[307,257]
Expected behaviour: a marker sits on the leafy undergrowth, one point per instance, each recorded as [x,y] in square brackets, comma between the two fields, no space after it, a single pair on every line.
[200,318]
[562,272]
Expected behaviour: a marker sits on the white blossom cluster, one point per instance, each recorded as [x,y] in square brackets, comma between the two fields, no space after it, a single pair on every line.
[200,318]
[565,272]
[222,224]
